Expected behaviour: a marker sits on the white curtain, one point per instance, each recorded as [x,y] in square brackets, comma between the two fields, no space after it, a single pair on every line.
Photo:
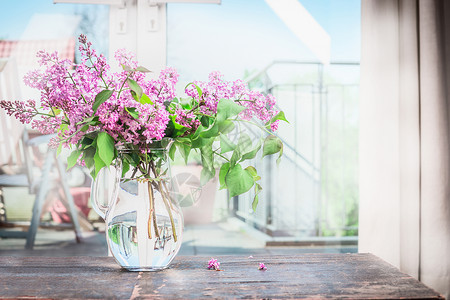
[404,137]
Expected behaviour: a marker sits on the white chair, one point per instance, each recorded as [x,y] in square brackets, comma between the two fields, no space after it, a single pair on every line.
[16,153]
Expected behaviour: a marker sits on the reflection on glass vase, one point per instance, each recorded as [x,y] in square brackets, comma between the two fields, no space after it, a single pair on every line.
[144,226]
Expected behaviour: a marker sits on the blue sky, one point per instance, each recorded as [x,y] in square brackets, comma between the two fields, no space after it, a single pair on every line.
[232,37]
[247,35]
[15,14]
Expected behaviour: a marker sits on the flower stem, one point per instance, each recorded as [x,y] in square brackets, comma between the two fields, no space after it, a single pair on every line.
[152,214]
[166,191]
[149,223]
[217,153]
[166,203]
[75,84]
[257,125]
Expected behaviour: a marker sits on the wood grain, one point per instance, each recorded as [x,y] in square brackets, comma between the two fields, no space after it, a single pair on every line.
[344,276]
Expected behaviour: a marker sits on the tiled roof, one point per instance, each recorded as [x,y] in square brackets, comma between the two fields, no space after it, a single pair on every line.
[25,51]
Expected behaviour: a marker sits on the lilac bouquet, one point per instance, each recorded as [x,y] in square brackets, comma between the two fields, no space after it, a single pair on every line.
[100,114]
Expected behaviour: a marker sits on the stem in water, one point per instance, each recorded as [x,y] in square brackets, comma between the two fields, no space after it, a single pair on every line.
[166,203]
[152,214]
[149,223]
[166,191]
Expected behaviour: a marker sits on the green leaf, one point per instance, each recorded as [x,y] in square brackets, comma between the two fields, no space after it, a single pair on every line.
[200,142]
[217,128]
[172,107]
[133,158]
[185,150]
[235,157]
[272,145]
[225,144]
[213,131]
[146,99]
[227,108]
[85,121]
[87,142]
[100,98]
[244,143]
[88,157]
[280,116]
[252,171]
[98,163]
[132,111]
[222,173]
[173,128]
[172,150]
[199,90]
[105,148]
[206,175]
[73,158]
[251,154]
[142,69]
[58,151]
[125,167]
[238,181]
[197,132]
[63,127]
[279,156]
[258,189]
[134,86]
[207,155]
[205,120]
[56,111]
[127,68]
[226,126]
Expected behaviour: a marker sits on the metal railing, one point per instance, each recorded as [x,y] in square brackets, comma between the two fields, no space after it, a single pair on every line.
[314,190]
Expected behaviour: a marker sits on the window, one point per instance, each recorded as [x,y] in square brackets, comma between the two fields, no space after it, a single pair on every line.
[314,191]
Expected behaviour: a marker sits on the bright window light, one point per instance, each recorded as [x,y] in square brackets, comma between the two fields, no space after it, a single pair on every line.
[304,26]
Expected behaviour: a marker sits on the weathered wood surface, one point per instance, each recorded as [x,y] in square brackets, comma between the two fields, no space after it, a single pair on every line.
[344,276]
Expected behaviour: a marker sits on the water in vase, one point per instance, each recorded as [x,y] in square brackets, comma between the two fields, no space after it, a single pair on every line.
[132,238]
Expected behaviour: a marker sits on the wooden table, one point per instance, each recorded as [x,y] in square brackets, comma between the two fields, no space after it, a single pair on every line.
[346,276]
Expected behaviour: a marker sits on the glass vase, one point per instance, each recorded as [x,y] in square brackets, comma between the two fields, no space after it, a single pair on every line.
[144,225]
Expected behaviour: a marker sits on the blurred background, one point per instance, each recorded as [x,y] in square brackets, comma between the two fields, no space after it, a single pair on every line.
[304,52]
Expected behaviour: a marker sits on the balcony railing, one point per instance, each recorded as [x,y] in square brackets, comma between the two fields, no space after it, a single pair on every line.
[313,193]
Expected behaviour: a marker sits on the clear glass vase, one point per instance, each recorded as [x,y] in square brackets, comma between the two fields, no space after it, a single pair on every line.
[144,225]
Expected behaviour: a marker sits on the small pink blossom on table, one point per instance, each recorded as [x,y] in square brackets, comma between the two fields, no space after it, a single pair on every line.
[262,267]
[213,264]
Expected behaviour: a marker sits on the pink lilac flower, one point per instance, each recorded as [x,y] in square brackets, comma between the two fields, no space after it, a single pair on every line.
[257,104]
[262,267]
[213,264]
[186,119]
[162,89]
[53,143]
[23,111]
[274,125]
[68,92]
[126,58]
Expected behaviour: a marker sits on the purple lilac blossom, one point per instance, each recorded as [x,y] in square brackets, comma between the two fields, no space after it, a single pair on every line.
[262,267]
[68,92]
[257,104]
[213,264]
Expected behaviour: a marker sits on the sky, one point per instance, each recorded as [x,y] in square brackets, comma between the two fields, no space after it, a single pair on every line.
[239,36]
[15,14]
[235,37]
